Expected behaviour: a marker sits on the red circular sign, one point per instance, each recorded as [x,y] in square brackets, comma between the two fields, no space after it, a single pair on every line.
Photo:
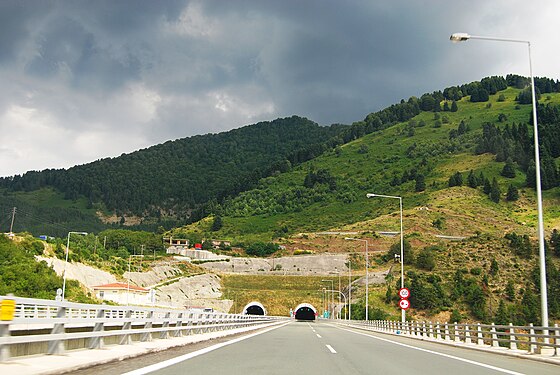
[404,293]
[404,304]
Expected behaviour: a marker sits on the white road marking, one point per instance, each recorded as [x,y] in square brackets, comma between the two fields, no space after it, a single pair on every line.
[173,361]
[331,349]
[319,336]
[437,353]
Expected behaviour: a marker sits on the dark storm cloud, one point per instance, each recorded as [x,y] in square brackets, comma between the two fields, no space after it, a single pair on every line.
[114,76]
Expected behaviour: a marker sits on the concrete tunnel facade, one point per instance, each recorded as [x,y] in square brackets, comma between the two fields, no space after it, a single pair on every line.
[254,308]
[305,311]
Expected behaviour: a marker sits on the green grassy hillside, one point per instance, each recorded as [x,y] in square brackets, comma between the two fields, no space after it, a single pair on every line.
[282,204]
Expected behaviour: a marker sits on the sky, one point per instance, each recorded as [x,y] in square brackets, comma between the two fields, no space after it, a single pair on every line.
[85,80]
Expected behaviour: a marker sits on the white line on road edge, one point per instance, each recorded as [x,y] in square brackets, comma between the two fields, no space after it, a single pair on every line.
[173,361]
[437,353]
[331,349]
[318,335]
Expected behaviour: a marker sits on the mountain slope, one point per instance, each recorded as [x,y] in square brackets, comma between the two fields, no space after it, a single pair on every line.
[172,179]
[329,191]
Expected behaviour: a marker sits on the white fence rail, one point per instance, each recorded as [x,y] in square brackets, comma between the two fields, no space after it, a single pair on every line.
[533,339]
[50,327]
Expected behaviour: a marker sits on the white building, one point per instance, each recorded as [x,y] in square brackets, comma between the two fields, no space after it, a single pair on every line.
[124,294]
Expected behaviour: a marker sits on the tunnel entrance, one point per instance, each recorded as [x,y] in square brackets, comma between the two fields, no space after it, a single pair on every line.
[255,310]
[305,311]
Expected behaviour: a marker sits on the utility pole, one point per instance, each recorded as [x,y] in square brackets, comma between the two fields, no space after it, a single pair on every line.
[13,217]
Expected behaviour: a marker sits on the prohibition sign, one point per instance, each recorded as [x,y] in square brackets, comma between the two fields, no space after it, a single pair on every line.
[404,293]
[404,304]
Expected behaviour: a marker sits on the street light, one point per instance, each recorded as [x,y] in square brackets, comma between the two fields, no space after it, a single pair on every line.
[339,292]
[372,195]
[462,37]
[66,261]
[367,271]
[332,294]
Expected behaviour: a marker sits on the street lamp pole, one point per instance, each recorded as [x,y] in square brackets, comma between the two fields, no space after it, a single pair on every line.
[66,262]
[332,294]
[372,195]
[340,294]
[349,289]
[462,37]
[367,272]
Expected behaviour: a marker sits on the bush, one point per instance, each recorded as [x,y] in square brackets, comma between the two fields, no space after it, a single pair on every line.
[426,259]
[261,249]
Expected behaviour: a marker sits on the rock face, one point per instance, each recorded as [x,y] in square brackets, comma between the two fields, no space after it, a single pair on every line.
[86,275]
[308,265]
[155,276]
[196,291]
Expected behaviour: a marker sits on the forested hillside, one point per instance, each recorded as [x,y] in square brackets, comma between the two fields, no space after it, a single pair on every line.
[172,179]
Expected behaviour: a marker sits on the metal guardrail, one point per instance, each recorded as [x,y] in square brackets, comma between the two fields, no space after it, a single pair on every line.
[53,327]
[533,339]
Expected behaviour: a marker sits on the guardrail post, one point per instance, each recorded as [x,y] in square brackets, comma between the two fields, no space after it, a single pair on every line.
[456,335]
[424,330]
[467,335]
[438,331]
[57,346]
[164,334]
[512,342]
[179,324]
[494,340]
[127,326]
[479,337]
[532,339]
[96,342]
[556,339]
[447,336]
[4,348]
[147,336]
[431,332]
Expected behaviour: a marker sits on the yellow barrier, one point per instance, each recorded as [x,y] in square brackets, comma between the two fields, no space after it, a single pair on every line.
[7,309]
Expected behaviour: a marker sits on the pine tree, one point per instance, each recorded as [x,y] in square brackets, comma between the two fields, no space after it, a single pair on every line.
[456,179]
[555,242]
[502,317]
[454,107]
[495,192]
[509,169]
[487,187]
[472,180]
[420,183]
[512,194]
[510,290]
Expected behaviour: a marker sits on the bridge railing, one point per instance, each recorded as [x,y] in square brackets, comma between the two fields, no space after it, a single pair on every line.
[35,326]
[530,339]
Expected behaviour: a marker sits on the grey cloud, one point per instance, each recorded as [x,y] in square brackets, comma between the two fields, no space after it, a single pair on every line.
[171,69]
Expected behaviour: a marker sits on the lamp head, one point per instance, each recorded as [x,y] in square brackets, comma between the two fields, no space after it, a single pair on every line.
[459,37]
[371,195]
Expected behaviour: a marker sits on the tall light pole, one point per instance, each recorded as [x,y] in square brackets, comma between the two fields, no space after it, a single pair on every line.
[462,37]
[367,272]
[372,195]
[349,289]
[339,294]
[66,262]
[332,294]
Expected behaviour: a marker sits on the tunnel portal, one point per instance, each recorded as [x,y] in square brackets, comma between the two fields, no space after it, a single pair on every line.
[305,311]
[254,308]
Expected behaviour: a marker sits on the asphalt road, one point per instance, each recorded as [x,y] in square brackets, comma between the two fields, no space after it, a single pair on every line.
[322,348]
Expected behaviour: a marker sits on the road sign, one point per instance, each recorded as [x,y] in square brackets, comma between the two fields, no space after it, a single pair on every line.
[404,293]
[404,304]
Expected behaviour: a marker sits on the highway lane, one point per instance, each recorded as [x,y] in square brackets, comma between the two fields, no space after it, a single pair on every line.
[322,348]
